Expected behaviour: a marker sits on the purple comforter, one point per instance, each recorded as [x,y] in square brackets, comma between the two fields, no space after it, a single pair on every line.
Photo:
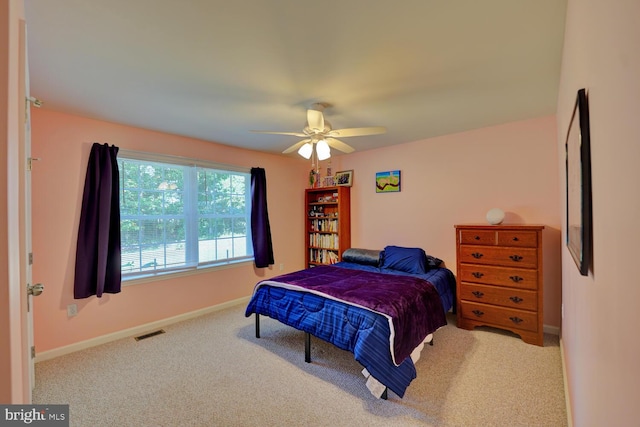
[412,304]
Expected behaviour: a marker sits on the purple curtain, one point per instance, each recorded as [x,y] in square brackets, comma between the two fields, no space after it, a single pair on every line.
[260,229]
[98,260]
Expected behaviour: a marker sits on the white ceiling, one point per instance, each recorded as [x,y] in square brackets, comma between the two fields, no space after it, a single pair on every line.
[217,69]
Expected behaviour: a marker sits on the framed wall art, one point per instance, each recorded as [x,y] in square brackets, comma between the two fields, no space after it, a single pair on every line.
[578,180]
[388,182]
[344,178]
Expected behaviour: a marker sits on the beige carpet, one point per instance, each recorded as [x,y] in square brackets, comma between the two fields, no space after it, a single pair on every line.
[212,371]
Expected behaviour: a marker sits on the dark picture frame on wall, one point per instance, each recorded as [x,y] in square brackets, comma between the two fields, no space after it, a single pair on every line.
[578,180]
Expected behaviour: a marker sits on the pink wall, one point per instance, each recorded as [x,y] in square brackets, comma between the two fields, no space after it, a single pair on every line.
[456,179]
[601,316]
[62,142]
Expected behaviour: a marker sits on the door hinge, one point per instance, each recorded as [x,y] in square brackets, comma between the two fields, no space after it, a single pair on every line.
[30,258]
[33,351]
[35,101]
[30,161]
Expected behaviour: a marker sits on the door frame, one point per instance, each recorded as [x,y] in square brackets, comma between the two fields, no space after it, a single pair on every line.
[14,387]
[24,220]
[26,162]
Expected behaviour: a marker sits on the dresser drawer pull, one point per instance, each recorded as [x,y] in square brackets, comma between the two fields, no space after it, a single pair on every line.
[478,294]
[477,237]
[517,300]
[515,258]
[516,279]
[516,320]
[478,313]
[515,239]
[477,274]
[476,255]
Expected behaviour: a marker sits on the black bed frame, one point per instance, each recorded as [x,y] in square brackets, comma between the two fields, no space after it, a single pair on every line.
[307,349]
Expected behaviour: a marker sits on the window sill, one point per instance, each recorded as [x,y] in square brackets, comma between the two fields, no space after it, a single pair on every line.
[146,278]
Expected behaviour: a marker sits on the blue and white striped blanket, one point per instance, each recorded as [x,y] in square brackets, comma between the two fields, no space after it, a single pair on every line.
[352,326]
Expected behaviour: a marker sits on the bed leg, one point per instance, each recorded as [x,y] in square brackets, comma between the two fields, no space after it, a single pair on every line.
[431,342]
[384,394]
[307,347]
[257,325]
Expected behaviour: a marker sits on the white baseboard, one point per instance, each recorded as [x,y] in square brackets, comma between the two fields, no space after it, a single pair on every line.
[137,330]
[567,396]
[553,330]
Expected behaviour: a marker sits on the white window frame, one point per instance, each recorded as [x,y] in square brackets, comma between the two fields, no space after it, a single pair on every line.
[191,216]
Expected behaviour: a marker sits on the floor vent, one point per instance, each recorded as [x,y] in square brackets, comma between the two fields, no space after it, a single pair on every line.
[150,334]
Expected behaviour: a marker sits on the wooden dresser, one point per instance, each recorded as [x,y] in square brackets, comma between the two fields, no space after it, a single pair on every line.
[499,283]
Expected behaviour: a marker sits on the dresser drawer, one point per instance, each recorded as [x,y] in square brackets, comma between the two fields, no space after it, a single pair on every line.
[477,237]
[506,297]
[502,276]
[500,316]
[527,239]
[509,257]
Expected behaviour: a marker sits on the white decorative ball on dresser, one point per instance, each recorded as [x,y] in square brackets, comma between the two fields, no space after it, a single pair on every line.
[495,216]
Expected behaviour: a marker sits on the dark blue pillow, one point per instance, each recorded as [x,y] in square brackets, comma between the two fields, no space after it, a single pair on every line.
[362,256]
[433,262]
[409,260]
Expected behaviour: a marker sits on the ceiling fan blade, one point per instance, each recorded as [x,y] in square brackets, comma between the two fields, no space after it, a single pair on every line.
[315,120]
[295,146]
[339,145]
[298,134]
[357,131]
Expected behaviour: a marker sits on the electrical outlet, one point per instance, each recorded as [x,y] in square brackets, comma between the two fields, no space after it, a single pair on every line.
[72,310]
[281,266]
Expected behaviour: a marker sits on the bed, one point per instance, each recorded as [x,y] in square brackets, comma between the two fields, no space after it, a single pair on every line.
[382,306]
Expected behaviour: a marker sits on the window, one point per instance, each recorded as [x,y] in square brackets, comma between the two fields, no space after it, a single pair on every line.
[178,214]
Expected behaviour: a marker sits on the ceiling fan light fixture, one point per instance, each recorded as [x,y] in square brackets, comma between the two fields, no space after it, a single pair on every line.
[323,150]
[306,150]
[320,133]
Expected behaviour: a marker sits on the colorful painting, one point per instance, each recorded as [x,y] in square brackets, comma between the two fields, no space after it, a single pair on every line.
[388,182]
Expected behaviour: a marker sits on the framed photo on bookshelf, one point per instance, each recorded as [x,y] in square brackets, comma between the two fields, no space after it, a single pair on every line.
[344,178]
[329,181]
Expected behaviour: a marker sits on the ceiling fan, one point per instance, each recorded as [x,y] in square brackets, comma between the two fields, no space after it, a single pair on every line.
[319,133]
